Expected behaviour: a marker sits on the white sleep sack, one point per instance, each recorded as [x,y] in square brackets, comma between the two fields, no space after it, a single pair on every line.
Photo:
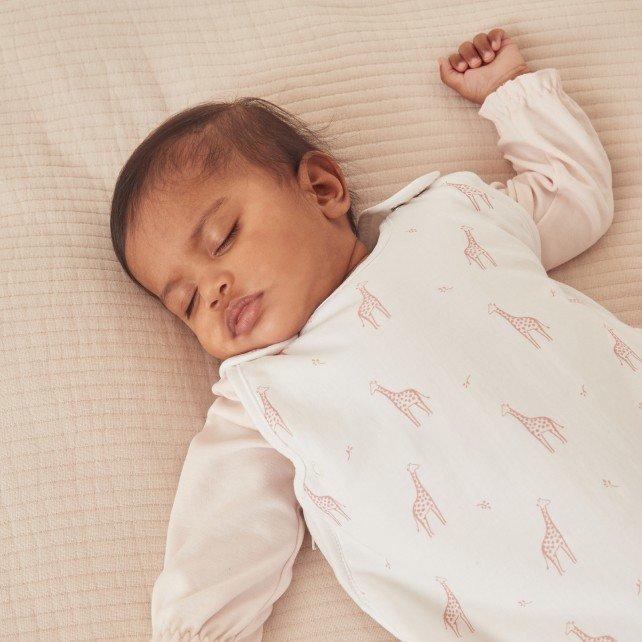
[466,431]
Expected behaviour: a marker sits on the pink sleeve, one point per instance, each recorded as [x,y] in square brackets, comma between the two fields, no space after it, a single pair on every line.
[234,531]
[564,179]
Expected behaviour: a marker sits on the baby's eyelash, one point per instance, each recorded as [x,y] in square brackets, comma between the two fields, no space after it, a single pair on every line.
[189,307]
[228,239]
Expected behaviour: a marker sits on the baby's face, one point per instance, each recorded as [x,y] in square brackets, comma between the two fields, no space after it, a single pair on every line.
[293,244]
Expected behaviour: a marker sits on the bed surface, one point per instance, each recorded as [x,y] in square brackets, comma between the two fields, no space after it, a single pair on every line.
[103,389]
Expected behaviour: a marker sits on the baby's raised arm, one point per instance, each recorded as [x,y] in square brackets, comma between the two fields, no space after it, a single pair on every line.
[564,175]
[564,178]
[234,531]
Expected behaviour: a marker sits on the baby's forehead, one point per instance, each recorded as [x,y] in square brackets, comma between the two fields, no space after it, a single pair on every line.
[179,196]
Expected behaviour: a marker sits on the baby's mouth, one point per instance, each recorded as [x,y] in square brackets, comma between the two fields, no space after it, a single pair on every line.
[242,313]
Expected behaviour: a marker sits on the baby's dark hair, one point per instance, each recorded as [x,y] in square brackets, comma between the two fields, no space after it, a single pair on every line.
[207,138]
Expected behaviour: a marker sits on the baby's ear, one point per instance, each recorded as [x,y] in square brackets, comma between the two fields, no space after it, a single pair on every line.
[303,173]
[308,164]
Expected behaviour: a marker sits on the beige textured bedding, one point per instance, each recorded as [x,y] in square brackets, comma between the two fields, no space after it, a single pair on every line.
[102,388]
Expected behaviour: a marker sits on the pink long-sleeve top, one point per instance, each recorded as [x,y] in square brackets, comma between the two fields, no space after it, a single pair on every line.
[236,526]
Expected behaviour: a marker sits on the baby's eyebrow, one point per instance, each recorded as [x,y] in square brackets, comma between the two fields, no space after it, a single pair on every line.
[198,228]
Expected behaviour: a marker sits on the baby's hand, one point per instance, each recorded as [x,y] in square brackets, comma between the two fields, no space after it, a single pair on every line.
[482,65]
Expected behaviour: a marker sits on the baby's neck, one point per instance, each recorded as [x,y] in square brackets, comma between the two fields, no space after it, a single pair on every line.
[359,253]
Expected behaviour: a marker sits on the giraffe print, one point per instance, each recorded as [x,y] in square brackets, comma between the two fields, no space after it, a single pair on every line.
[326,503]
[403,399]
[553,539]
[537,426]
[453,610]
[622,351]
[368,305]
[270,413]
[424,503]
[474,250]
[571,627]
[524,325]
[471,192]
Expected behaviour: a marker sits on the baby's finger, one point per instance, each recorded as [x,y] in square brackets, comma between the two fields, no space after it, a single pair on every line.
[483,47]
[469,54]
[449,76]
[457,62]
[495,36]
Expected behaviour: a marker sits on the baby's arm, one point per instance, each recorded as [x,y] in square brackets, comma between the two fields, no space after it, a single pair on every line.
[234,531]
[565,175]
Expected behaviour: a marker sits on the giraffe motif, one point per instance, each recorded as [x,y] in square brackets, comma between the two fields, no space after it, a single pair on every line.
[403,399]
[453,610]
[326,503]
[471,192]
[270,413]
[523,325]
[537,426]
[424,503]
[622,351]
[571,627]
[369,303]
[553,539]
[474,250]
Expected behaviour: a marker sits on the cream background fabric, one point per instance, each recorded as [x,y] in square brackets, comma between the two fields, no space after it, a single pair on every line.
[102,388]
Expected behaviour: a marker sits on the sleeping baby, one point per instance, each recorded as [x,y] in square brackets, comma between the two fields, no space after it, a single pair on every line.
[460,433]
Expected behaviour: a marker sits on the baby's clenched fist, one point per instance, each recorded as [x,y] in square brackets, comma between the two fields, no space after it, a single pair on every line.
[482,65]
